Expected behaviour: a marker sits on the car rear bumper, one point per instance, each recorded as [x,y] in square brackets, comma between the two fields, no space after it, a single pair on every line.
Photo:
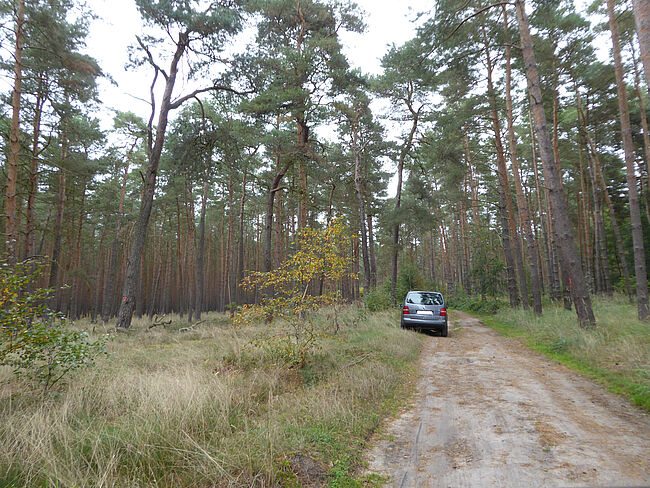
[436,323]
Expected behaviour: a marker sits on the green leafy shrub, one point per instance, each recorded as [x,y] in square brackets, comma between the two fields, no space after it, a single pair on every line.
[378,300]
[35,342]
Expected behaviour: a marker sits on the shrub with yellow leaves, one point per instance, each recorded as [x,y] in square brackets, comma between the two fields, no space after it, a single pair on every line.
[320,255]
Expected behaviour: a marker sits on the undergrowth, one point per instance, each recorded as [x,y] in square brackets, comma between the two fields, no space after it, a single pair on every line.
[206,408]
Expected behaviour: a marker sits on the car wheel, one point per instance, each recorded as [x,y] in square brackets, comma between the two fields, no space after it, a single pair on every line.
[445,331]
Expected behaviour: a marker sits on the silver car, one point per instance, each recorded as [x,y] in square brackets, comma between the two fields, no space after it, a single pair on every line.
[425,310]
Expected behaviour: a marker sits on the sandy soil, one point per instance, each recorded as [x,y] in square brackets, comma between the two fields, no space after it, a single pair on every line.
[491,413]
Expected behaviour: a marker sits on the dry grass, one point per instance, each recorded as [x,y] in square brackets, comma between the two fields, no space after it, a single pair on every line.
[616,351]
[204,408]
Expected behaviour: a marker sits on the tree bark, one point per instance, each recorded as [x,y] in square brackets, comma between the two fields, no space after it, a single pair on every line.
[14,139]
[628,147]
[361,204]
[521,200]
[268,221]
[511,246]
[127,305]
[200,275]
[600,181]
[33,172]
[110,276]
[406,148]
[240,240]
[642,21]
[552,177]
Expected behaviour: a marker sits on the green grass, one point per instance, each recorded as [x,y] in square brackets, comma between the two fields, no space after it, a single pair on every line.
[204,408]
[615,352]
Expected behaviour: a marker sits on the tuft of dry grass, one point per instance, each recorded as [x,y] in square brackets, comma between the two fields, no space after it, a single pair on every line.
[204,408]
[616,351]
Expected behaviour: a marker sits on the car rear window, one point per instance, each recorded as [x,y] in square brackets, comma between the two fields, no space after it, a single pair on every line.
[424,298]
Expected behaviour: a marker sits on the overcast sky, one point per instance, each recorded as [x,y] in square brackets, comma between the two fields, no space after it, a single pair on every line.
[388,22]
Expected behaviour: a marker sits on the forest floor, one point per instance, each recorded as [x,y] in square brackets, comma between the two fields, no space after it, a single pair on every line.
[491,412]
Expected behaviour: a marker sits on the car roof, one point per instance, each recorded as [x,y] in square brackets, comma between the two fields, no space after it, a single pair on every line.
[424,291]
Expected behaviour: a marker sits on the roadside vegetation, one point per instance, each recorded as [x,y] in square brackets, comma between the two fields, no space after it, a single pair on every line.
[614,352]
[206,407]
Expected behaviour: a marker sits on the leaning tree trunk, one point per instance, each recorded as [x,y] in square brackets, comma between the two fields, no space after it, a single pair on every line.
[628,147]
[552,176]
[127,304]
[14,139]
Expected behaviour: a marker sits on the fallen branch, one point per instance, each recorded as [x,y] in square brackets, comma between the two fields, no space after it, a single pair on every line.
[187,329]
[359,360]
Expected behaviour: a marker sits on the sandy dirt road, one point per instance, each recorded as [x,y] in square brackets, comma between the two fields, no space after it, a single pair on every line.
[490,413]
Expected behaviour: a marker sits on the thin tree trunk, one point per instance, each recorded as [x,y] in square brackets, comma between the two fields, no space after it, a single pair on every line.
[33,172]
[600,180]
[200,275]
[110,277]
[58,224]
[406,148]
[511,247]
[552,177]
[240,241]
[268,221]
[628,147]
[361,204]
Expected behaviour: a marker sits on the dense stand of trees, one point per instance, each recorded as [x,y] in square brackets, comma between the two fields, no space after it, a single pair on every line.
[520,158]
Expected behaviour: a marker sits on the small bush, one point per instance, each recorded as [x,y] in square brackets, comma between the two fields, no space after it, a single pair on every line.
[34,341]
[378,300]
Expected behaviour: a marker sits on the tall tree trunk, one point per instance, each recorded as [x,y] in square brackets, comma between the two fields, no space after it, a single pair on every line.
[268,220]
[361,204]
[14,138]
[240,240]
[564,278]
[600,181]
[511,247]
[628,147]
[131,278]
[58,224]
[552,177]
[76,261]
[521,199]
[111,275]
[371,248]
[33,172]
[642,21]
[406,148]
[200,275]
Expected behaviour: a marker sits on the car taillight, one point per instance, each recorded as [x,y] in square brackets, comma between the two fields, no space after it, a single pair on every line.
[405,310]
[443,312]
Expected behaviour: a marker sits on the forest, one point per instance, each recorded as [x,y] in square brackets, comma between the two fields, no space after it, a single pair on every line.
[520,157]
[241,252]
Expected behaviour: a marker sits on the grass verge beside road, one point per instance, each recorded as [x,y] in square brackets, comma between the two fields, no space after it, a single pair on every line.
[204,408]
[616,352]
